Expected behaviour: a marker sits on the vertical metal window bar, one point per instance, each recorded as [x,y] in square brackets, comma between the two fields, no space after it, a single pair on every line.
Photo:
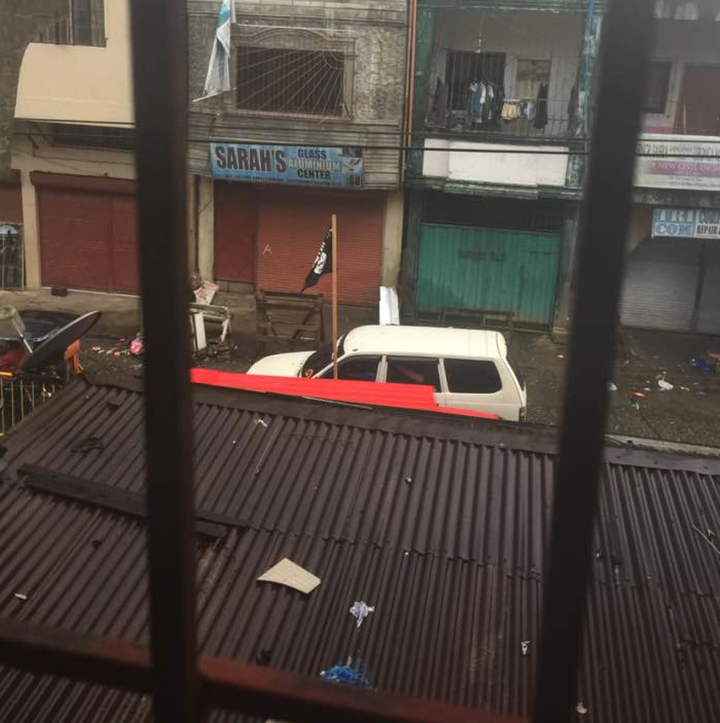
[159,48]
[624,64]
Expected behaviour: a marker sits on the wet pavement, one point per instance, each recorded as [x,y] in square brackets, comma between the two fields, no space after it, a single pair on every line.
[689,413]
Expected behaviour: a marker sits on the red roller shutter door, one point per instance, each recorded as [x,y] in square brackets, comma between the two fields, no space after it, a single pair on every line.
[235,231]
[87,234]
[126,271]
[291,225]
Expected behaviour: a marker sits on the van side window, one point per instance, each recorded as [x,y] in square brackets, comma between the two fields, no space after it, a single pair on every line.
[404,370]
[467,376]
[356,369]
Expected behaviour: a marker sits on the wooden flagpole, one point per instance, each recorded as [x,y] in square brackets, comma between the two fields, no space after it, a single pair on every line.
[334,296]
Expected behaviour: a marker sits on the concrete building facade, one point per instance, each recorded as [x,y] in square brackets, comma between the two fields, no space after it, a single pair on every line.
[72,188]
[502,119]
[323,84]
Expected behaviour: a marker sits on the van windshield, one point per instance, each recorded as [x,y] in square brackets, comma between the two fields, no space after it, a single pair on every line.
[319,359]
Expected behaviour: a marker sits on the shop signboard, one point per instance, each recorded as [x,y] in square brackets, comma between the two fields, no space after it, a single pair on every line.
[298,165]
[679,162]
[702,223]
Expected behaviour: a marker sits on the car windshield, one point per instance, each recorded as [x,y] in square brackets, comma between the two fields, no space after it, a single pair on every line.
[319,359]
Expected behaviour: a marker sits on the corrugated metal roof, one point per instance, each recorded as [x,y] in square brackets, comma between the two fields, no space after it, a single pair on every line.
[440,526]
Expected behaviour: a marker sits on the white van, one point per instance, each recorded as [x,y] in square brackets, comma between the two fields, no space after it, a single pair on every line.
[469,369]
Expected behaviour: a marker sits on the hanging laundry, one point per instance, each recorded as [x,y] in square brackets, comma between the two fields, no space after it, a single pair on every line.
[438,112]
[489,102]
[479,102]
[470,104]
[499,103]
[541,112]
[510,110]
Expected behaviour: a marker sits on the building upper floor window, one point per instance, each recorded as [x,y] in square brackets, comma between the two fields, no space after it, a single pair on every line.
[84,136]
[657,87]
[307,82]
[83,24]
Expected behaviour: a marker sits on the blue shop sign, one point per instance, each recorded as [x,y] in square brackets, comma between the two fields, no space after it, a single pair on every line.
[686,223]
[301,165]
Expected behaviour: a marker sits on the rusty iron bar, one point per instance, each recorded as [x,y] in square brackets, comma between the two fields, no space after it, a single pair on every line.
[160,51]
[224,683]
[624,65]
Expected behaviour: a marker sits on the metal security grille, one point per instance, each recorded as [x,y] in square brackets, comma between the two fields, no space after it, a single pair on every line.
[12,258]
[307,82]
[474,95]
[19,397]
[84,24]
[84,136]
[464,68]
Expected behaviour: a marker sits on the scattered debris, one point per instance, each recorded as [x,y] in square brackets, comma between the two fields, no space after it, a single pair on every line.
[408,480]
[137,345]
[685,389]
[581,708]
[524,646]
[348,674]
[96,348]
[707,362]
[560,356]
[360,610]
[88,444]
[638,394]
[635,404]
[664,386]
[21,596]
[707,537]
[612,387]
[287,573]
[205,293]
[261,422]
[263,656]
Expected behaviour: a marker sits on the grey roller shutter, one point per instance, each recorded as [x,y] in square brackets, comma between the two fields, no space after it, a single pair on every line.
[709,309]
[660,287]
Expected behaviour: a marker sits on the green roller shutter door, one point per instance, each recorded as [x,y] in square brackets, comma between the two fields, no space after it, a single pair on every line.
[480,268]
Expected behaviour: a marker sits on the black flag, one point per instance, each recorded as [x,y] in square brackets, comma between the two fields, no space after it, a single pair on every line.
[323,263]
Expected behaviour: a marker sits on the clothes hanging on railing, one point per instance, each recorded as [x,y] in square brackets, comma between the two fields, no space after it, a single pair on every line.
[510,110]
[479,99]
[438,111]
[541,112]
[499,102]
[489,105]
